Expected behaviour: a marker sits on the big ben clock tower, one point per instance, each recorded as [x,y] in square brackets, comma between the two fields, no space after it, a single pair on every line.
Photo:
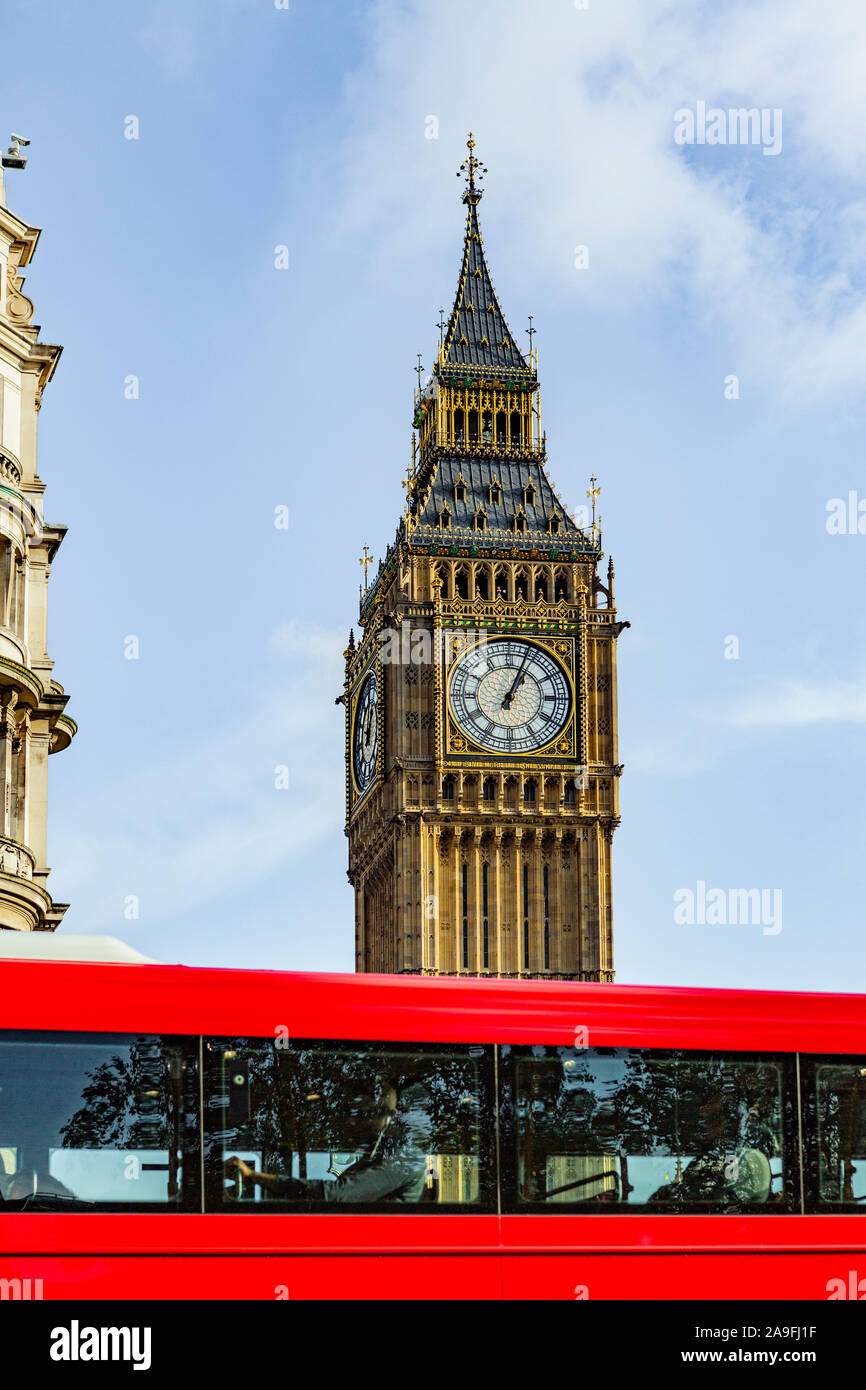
[481,738]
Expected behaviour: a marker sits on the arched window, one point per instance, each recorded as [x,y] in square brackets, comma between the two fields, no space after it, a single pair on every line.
[473,427]
[459,426]
[461,583]
[495,492]
[445,518]
[486,428]
[482,584]
[521,585]
[560,586]
[553,525]
[447,788]
[480,519]
[529,791]
[570,793]
[516,430]
[500,429]
[529,494]
[520,522]
[489,789]
[541,589]
[460,489]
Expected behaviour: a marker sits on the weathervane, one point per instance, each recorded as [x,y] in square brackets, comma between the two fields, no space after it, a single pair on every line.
[420,370]
[472,167]
[366,560]
[532,332]
[592,494]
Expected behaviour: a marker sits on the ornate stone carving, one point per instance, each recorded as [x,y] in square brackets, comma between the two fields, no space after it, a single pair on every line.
[18,307]
[10,468]
[15,859]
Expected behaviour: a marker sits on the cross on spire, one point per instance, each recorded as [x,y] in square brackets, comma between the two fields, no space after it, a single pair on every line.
[471,168]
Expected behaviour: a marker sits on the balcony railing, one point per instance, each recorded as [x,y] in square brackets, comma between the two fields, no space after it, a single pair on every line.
[10,468]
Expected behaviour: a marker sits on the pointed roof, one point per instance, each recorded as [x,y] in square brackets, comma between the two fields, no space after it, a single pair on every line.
[477,334]
[498,488]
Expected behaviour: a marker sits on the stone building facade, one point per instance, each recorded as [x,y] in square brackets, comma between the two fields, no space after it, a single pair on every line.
[33,722]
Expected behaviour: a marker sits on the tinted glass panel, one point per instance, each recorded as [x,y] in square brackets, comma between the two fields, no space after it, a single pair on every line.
[836,1130]
[95,1120]
[321,1125]
[671,1131]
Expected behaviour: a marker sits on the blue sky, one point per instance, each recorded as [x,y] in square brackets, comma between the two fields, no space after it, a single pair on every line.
[259,387]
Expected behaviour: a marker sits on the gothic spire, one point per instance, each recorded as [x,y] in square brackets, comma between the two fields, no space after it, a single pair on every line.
[477,335]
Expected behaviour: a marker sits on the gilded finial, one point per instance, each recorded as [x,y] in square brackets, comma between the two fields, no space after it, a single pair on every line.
[471,169]
[592,494]
[366,560]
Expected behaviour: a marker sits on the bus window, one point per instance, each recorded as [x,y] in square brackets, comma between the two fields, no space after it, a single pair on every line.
[836,1111]
[620,1128]
[91,1120]
[314,1125]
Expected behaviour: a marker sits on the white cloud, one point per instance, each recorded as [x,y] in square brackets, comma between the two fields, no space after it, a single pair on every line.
[793,703]
[573,112]
[697,738]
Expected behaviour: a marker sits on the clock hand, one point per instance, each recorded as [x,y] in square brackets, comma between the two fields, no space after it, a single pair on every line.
[517,682]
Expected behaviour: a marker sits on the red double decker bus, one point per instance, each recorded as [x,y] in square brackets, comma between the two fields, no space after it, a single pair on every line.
[182,1133]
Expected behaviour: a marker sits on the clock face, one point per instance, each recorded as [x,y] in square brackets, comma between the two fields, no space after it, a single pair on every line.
[365,737]
[510,696]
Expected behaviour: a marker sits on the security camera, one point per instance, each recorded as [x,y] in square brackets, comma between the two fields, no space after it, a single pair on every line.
[13,158]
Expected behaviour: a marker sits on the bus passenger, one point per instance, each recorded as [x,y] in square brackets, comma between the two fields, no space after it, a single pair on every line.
[24,1186]
[377,1176]
[723,1173]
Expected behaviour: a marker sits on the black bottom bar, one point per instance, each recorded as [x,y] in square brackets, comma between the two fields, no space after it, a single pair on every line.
[237,1340]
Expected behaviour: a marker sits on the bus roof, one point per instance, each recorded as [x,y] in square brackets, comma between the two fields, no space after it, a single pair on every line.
[41,945]
[121,997]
